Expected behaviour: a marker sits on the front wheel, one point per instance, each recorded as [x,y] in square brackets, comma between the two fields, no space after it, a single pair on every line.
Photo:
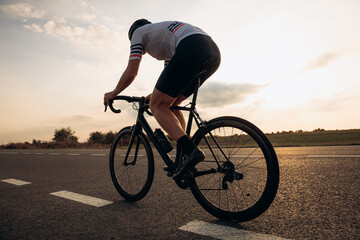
[131,165]
[239,177]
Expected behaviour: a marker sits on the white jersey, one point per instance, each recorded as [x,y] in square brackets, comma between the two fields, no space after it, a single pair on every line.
[160,39]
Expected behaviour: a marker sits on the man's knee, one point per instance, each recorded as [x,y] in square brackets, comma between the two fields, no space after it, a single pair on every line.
[158,103]
[154,105]
[160,100]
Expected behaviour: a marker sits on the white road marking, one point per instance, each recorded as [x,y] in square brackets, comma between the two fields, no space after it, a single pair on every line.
[93,201]
[224,232]
[16,182]
[337,156]
[73,154]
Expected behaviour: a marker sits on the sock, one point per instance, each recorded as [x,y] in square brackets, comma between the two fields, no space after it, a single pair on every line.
[186,144]
[178,152]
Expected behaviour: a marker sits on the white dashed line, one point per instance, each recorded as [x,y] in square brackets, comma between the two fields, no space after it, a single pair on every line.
[224,232]
[73,154]
[16,182]
[96,202]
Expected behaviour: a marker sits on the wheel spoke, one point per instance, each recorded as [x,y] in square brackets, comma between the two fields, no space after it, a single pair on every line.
[133,178]
[242,174]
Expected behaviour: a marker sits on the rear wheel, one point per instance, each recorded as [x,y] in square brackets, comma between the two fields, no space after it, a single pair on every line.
[132,177]
[239,177]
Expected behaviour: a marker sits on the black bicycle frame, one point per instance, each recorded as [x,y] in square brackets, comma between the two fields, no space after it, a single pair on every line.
[141,123]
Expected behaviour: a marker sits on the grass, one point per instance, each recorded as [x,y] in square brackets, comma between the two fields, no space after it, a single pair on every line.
[316,138]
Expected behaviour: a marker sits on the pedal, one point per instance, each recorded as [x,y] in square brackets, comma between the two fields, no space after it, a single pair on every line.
[169,172]
[182,183]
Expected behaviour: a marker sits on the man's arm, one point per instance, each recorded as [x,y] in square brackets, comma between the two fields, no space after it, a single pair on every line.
[126,79]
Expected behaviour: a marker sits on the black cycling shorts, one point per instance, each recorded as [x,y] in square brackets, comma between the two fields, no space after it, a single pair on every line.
[180,75]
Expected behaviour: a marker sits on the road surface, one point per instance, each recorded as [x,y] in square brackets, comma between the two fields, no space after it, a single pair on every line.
[68,194]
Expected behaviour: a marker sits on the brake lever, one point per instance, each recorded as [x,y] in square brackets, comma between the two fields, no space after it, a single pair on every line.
[105,107]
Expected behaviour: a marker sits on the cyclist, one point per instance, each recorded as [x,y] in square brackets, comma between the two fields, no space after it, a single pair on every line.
[185,49]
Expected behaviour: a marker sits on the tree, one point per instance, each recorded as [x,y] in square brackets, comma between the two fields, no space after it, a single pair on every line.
[109,137]
[65,135]
[102,138]
[96,137]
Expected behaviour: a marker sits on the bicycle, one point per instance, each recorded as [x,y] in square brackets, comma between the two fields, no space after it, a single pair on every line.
[237,181]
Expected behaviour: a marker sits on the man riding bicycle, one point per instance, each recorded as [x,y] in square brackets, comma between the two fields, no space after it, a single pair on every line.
[185,49]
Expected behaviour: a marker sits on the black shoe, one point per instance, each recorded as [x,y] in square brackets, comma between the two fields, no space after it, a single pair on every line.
[189,163]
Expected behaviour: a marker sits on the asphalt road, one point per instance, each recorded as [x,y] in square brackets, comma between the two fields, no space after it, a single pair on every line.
[318,198]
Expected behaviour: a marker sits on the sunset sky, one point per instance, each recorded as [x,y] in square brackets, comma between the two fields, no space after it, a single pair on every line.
[286,65]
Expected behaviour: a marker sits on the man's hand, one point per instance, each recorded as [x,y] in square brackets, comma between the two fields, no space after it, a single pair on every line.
[108,96]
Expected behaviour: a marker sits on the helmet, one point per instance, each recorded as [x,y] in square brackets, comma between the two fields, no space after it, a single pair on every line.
[136,25]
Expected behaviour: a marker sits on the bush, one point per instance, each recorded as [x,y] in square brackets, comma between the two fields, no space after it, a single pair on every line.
[101,138]
[109,137]
[65,135]
[96,137]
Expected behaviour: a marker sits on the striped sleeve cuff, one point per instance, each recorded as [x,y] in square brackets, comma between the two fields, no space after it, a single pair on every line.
[136,51]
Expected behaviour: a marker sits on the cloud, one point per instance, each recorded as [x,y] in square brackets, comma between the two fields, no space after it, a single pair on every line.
[89,12]
[84,4]
[92,39]
[96,39]
[321,61]
[81,118]
[34,27]
[338,101]
[218,94]
[24,10]
[88,17]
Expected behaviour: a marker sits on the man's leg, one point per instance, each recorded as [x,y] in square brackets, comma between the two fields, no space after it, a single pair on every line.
[160,104]
[160,107]
[178,113]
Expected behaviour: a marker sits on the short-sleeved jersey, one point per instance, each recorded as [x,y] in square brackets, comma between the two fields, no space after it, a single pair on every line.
[160,39]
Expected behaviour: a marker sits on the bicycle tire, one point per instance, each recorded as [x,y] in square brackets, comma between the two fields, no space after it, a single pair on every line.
[132,181]
[249,154]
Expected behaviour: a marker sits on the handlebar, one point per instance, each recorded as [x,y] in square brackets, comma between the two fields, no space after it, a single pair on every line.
[129,99]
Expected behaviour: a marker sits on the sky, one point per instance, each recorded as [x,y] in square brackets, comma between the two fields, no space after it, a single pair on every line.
[286,65]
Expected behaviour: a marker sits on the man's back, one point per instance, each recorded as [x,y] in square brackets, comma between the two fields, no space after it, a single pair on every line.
[161,39]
